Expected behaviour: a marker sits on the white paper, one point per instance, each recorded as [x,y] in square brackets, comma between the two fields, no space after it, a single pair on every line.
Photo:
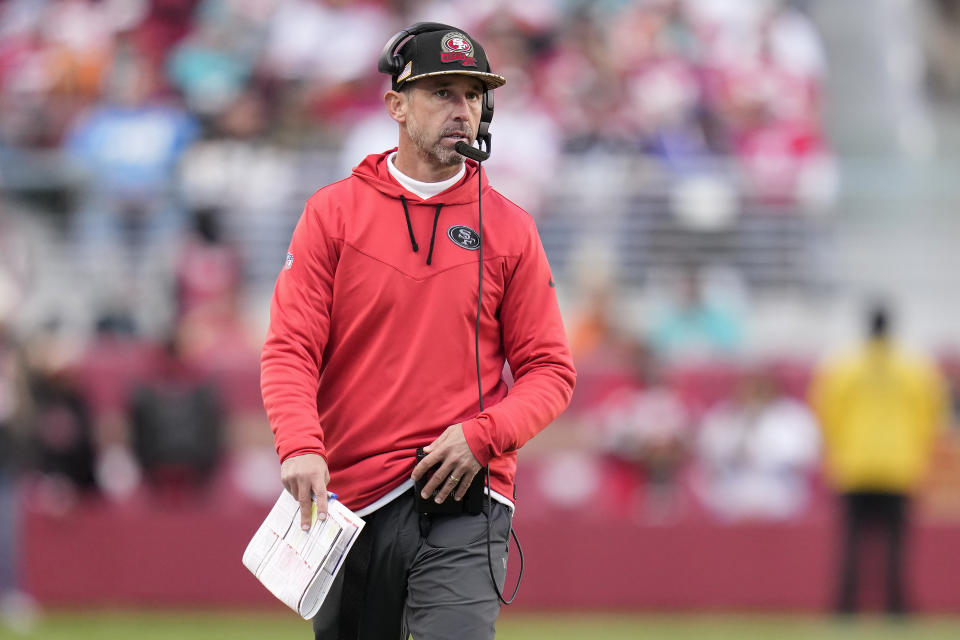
[299,566]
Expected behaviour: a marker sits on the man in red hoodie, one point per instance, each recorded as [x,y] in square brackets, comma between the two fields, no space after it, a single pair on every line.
[377,346]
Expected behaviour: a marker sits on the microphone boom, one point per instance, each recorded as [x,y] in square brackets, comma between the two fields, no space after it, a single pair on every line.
[471,152]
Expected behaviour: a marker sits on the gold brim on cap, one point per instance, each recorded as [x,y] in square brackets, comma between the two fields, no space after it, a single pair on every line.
[491,80]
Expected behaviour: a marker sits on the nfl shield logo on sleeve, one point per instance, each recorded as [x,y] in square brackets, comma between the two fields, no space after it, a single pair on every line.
[288,263]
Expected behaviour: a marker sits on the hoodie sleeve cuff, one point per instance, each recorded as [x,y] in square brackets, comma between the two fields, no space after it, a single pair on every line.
[304,452]
[292,448]
[476,432]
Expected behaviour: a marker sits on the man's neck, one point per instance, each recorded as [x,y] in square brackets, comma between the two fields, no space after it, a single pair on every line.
[421,167]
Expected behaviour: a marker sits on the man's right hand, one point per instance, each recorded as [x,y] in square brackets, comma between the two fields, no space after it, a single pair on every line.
[304,477]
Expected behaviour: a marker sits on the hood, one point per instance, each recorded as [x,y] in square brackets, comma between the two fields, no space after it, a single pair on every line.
[373,170]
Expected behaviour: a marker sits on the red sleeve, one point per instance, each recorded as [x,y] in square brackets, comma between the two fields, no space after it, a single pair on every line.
[536,348]
[292,354]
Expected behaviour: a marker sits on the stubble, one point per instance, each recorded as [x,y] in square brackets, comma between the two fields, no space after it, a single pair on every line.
[431,146]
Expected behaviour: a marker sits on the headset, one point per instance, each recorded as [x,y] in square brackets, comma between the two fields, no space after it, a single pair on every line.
[392,63]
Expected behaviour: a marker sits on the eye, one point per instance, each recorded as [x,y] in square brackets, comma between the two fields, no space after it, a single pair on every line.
[442,93]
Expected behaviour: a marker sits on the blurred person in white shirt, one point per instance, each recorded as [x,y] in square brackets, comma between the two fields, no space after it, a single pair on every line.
[757,452]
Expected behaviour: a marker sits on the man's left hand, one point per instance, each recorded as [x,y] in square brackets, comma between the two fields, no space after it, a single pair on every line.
[454,463]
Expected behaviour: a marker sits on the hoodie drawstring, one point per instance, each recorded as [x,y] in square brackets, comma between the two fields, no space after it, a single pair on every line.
[406,214]
[433,234]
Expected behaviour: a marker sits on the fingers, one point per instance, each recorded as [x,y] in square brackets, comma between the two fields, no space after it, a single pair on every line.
[436,480]
[455,466]
[458,483]
[306,478]
[446,486]
[306,510]
[449,480]
[445,478]
[464,485]
[313,506]
[320,497]
[425,464]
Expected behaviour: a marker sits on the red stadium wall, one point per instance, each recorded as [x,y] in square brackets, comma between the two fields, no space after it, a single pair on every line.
[150,554]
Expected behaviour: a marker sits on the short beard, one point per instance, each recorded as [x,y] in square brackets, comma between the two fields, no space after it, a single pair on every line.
[435,149]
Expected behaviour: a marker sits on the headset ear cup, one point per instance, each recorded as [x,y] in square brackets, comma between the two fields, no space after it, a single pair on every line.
[389,62]
[486,114]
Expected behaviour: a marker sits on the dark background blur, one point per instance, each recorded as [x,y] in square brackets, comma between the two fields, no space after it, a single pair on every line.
[721,186]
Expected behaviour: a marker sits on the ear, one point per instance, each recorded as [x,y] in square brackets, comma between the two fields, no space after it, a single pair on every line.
[397,104]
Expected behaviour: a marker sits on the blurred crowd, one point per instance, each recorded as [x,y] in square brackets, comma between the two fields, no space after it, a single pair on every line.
[125,124]
[154,155]
[164,105]
[158,150]
[677,79]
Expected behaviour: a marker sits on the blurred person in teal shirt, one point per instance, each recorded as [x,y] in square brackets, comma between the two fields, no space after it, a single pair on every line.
[695,326]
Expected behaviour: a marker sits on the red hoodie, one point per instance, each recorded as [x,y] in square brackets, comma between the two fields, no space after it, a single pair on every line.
[370,350]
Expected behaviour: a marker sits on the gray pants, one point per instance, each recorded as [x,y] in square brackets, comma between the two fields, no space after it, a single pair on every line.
[428,576]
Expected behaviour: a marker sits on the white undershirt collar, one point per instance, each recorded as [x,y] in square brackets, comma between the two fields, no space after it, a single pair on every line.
[422,190]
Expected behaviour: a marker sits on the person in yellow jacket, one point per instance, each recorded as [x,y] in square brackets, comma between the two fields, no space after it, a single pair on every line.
[880,408]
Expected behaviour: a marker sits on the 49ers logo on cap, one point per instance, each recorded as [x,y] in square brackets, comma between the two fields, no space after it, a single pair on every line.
[457,48]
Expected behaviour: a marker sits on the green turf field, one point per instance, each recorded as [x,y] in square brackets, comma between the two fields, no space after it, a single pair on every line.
[247,626]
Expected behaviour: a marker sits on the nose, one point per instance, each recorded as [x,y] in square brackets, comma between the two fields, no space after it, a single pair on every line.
[461,109]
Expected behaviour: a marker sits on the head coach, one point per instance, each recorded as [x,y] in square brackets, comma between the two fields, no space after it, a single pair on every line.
[406,287]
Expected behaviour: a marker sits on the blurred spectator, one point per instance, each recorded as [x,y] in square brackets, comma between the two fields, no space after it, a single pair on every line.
[325,41]
[585,91]
[604,352]
[129,145]
[26,78]
[63,433]
[941,43]
[646,428]
[106,368]
[321,48]
[213,336]
[208,269]
[757,453]
[163,24]
[239,173]
[15,261]
[695,323]
[176,422]
[16,608]
[880,407]
[213,64]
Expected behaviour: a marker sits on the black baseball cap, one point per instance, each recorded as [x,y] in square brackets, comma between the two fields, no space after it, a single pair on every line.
[445,52]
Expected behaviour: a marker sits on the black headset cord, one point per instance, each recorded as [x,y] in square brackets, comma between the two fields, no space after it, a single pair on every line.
[476,345]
